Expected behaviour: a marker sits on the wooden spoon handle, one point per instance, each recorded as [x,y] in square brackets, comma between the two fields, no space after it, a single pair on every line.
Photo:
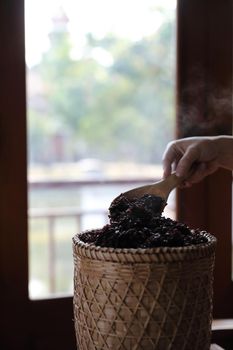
[169,183]
[173,181]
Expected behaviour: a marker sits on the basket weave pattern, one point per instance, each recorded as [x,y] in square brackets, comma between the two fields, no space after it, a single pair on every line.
[143,299]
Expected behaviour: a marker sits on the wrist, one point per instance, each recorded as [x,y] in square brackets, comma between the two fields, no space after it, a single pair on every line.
[224,147]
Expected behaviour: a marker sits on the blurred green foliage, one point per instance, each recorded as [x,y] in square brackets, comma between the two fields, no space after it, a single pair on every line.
[123,110]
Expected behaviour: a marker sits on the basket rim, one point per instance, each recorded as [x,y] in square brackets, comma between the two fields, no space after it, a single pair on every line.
[159,254]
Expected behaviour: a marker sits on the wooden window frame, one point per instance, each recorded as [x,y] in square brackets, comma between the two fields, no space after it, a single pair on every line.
[202,25]
[204,68]
[48,324]
[25,324]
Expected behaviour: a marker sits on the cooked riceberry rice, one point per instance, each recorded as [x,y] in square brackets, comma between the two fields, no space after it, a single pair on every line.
[138,223]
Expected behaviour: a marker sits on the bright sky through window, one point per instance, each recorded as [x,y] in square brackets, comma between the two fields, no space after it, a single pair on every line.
[137,19]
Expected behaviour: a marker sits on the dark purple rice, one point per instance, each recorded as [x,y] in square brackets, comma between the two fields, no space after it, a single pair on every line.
[138,223]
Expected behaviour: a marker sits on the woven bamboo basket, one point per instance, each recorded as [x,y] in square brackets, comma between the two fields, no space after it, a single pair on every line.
[143,299]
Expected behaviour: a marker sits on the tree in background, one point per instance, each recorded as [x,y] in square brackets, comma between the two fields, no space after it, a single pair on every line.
[119,110]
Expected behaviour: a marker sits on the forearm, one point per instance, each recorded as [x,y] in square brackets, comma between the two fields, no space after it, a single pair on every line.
[225,151]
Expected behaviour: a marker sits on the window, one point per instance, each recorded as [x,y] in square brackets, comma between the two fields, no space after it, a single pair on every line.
[100,111]
[204,41]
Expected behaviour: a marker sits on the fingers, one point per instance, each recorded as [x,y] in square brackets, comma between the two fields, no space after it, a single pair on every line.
[201,171]
[186,162]
[198,172]
[170,158]
[191,158]
[181,159]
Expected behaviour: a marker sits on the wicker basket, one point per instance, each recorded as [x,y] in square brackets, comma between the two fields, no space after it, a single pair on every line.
[145,299]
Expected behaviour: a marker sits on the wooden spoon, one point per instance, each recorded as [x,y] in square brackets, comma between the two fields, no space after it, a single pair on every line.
[161,189]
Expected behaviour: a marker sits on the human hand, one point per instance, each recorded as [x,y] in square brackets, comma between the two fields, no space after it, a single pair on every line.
[192,158]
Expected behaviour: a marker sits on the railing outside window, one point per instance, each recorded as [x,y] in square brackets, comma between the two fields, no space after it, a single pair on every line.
[51,229]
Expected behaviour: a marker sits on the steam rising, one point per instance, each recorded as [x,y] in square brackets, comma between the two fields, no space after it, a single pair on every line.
[206,110]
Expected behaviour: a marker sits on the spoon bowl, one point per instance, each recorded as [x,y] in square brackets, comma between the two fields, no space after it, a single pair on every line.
[160,189]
